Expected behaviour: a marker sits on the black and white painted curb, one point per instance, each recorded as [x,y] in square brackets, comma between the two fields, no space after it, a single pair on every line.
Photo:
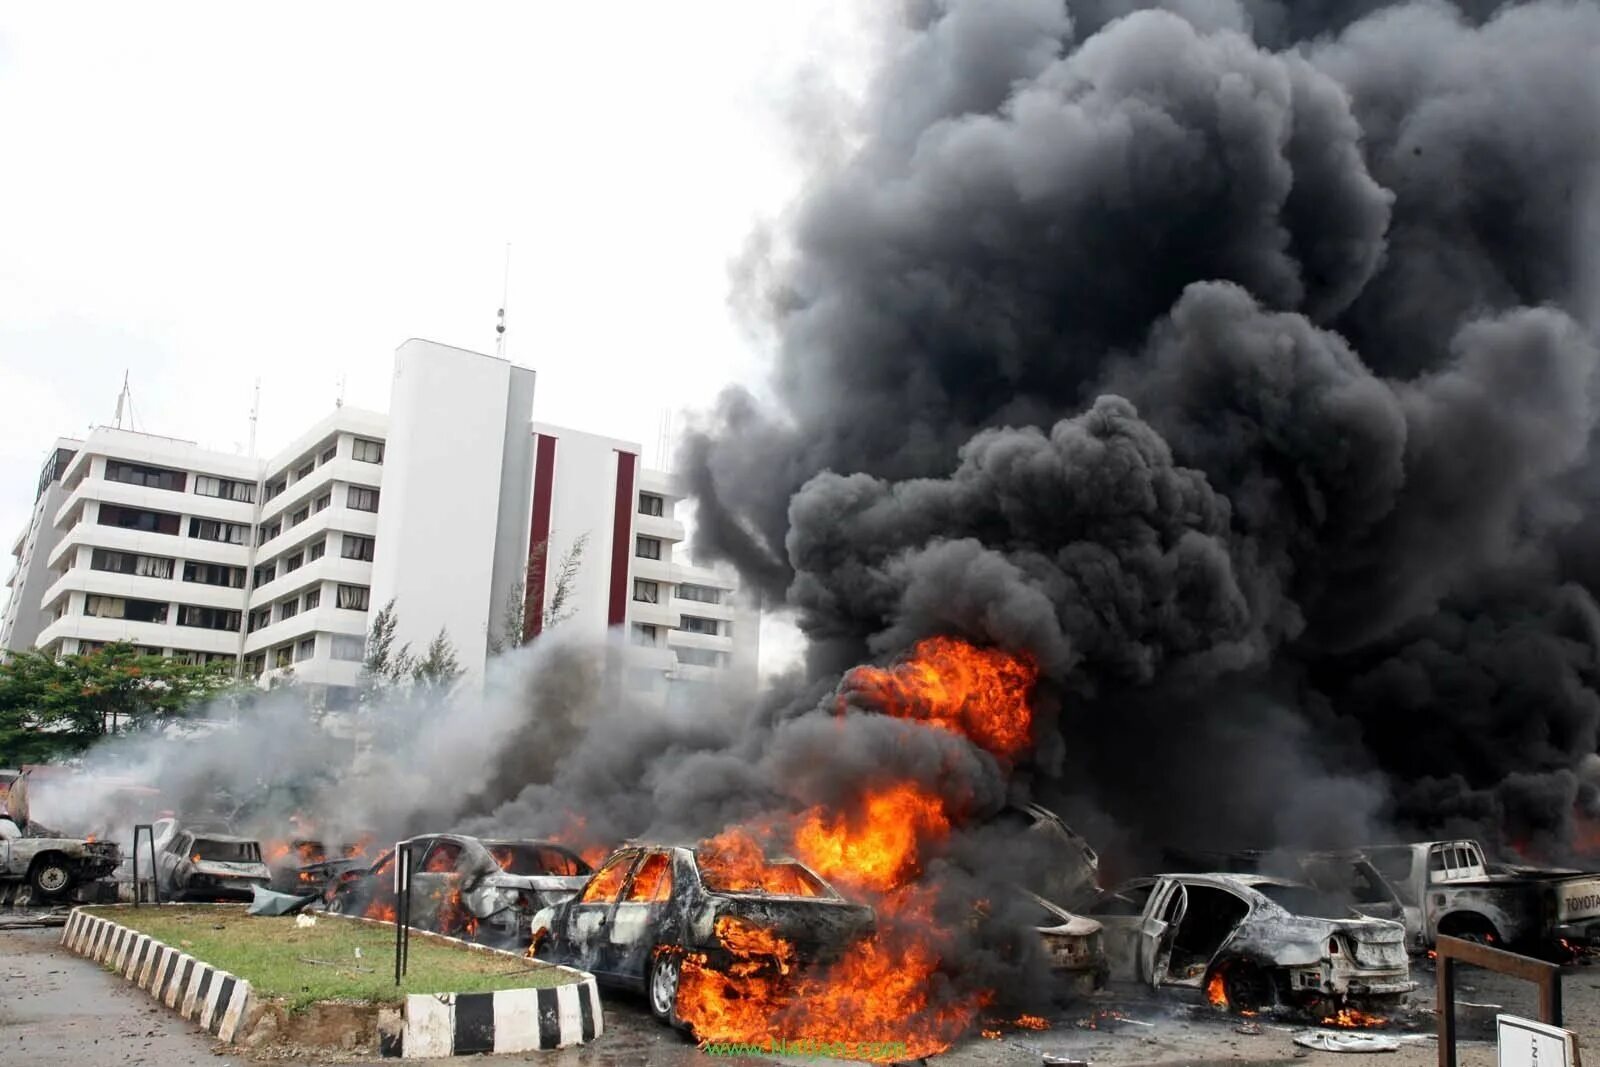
[510,1020]
[197,991]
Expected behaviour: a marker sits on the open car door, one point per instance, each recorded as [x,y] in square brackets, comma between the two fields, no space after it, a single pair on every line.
[1162,915]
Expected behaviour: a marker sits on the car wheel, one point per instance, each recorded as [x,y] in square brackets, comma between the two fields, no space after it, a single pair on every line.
[1249,987]
[666,969]
[51,876]
[338,903]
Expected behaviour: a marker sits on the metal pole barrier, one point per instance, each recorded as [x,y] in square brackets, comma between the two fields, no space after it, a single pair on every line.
[155,874]
[1547,976]
[402,909]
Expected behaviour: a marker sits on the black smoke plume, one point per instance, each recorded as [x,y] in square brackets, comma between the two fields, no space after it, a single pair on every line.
[1235,359]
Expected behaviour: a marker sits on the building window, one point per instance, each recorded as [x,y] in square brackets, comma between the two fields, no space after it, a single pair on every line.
[357,548]
[315,550]
[207,618]
[225,488]
[292,563]
[283,657]
[214,574]
[701,657]
[362,499]
[255,665]
[694,624]
[267,533]
[116,607]
[367,451]
[348,648]
[646,592]
[129,563]
[322,501]
[289,608]
[265,573]
[210,530]
[703,594]
[260,619]
[650,504]
[353,597]
[313,598]
[138,519]
[274,488]
[305,470]
[150,477]
[305,649]
[647,547]
[645,634]
[300,516]
[329,453]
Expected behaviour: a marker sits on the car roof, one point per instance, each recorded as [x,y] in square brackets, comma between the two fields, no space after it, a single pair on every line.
[1248,881]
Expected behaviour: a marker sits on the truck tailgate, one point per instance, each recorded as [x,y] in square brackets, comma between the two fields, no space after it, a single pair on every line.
[1578,898]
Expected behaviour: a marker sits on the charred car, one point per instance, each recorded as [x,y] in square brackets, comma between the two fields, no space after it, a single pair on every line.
[1251,942]
[485,891]
[647,906]
[50,864]
[1073,944]
[1070,868]
[1448,887]
[200,864]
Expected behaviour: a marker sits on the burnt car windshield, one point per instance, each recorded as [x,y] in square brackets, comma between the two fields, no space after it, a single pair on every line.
[531,860]
[1304,900]
[226,851]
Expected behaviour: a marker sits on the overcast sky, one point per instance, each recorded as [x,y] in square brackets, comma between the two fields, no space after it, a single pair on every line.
[205,194]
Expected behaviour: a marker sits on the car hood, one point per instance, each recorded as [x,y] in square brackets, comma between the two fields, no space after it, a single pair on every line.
[538,883]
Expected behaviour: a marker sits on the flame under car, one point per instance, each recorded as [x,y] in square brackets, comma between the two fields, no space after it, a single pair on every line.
[648,907]
[1252,942]
[485,891]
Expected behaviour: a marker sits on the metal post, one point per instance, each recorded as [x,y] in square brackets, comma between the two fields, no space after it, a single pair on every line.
[402,909]
[155,874]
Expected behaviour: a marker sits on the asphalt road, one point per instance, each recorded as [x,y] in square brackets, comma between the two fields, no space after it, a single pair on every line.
[56,1008]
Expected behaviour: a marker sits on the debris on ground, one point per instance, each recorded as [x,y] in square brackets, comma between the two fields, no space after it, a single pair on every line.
[1331,1041]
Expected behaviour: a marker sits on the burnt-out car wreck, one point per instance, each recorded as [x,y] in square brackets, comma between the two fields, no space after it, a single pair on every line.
[1252,942]
[650,906]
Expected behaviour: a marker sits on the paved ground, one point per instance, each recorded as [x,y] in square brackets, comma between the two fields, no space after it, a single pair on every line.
[58,1008]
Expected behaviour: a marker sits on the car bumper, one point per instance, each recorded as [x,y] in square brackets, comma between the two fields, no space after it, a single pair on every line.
[1580,932]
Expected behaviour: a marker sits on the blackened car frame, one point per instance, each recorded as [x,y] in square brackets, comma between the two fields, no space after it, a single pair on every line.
[647,906]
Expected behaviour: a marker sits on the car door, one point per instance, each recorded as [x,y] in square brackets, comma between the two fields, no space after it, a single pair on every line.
[635,921]
[1168,903]
[172,860]
[435,899]
[584,937]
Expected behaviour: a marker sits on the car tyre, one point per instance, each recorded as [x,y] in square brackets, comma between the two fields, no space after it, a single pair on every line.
[1249,987]
[661,987]
[51,876]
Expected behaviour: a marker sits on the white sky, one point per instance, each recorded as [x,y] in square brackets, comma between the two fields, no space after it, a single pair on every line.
[202,194]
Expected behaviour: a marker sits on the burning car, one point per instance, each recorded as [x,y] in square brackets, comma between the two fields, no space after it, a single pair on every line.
[207,865]
[48,862]
[1074,945]
[485,891]
[1073,867]
[1251,941]
[648,909]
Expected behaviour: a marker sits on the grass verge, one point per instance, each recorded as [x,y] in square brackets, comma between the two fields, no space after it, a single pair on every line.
[276,957]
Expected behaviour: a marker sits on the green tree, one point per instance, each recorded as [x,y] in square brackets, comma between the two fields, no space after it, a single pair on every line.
[558,605]
[438,668]
[53,708]
[384,665]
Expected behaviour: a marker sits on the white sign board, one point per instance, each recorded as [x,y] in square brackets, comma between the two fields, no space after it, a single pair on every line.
[1525,1043]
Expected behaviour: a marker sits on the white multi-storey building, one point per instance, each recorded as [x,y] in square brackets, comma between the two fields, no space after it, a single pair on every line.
[449,506]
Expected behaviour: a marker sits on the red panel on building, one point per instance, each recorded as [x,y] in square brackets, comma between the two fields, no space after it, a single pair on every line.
[621,542]
[544,474]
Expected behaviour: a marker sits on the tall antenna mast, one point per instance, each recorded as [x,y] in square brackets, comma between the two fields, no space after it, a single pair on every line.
[255,416]
[122,397]
[505,295]
[338,401]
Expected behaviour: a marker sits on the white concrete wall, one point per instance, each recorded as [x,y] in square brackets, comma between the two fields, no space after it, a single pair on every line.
[24,615]
[439,518]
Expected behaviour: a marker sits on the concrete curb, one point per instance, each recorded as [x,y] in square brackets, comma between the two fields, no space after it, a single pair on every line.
[214,999]
[426,1025]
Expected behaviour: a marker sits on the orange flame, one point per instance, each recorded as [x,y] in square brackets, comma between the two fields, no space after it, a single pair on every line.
[1351,1019]
[893,987]
[979,693]
[575,834]
[1217,991]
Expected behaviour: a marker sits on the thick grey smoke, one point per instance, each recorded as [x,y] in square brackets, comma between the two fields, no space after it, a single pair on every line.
[1237,360]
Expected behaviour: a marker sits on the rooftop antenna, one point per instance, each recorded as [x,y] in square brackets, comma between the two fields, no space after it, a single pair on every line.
[505,293]
[664,441]
[255,416]
[338,401]
[125,399]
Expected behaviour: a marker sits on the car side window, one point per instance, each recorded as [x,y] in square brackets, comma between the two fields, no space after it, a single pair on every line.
[605,886]
[554,861]
[441,858]
[1436,859]
[652,881]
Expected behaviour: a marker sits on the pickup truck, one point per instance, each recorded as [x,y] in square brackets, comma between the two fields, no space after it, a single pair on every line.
[1448,887]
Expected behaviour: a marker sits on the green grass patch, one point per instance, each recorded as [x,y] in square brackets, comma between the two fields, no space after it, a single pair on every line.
[272,954]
